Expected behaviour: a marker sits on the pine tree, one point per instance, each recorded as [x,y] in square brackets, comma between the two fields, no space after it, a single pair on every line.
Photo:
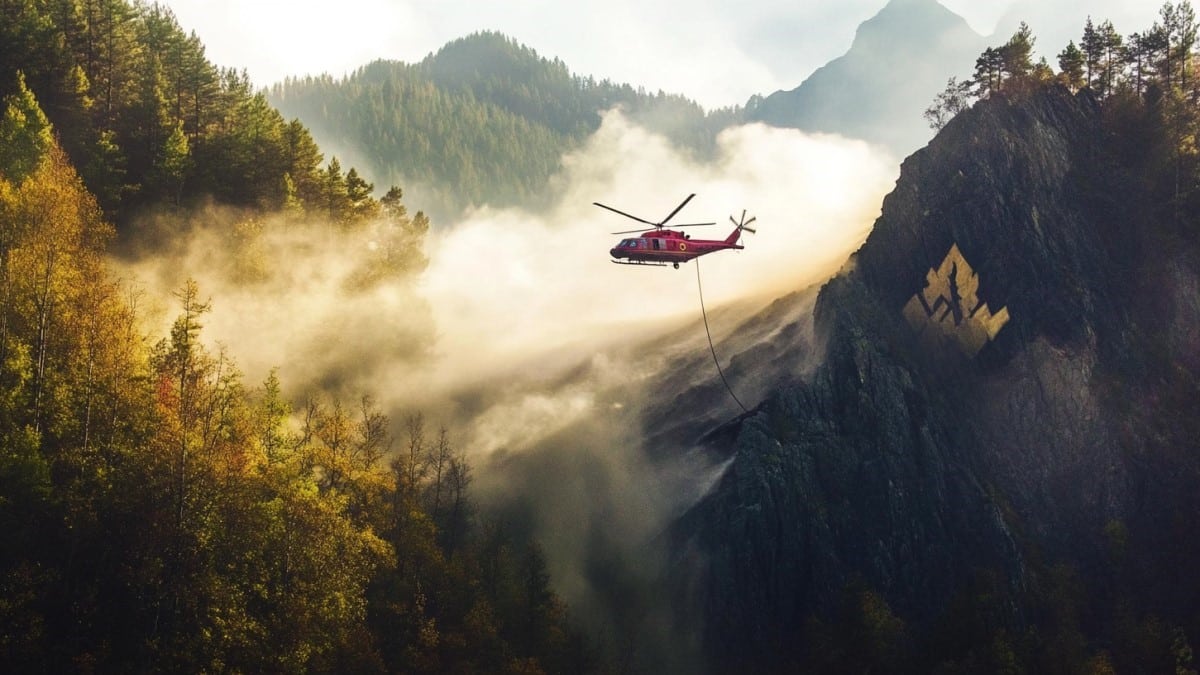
[1071,63]
[1093,51]
[988,72]
[171,165]
[1112,57]
[303,160]
[1184,38]
[25,136]
[334,192]
[1016,53]
[358,192]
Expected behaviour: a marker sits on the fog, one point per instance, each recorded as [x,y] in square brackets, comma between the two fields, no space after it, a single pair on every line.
[541,356]
[511,294]
[505,285]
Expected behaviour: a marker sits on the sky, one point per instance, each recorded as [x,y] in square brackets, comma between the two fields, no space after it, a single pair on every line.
[716,52]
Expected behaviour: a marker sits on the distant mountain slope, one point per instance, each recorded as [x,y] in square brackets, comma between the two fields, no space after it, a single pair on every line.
[484,120]
[877,91]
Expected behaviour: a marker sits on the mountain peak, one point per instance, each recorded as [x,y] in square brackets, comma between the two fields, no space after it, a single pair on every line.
[911,22]
[899,60]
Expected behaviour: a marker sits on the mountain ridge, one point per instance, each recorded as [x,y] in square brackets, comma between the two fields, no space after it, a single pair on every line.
[485,119]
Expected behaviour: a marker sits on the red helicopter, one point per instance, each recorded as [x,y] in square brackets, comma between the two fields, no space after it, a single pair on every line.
[660,246]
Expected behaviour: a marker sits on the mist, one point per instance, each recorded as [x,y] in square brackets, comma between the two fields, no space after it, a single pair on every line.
[543,358]
[537,283]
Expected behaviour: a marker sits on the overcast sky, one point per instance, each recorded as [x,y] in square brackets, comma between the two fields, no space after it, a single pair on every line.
[714,51]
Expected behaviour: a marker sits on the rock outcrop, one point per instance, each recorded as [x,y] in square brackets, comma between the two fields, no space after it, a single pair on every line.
[911,466]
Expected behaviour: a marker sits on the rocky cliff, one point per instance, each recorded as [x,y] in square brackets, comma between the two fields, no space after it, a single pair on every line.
[1007,400]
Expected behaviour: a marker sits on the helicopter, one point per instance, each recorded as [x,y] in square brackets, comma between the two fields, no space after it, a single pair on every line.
[660,246]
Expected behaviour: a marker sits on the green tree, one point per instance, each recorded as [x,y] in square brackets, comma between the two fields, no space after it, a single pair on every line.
[303,160]
[1183,36]
[1015,55]
[171,165]
[1093,51]
[1071,63]
[362,207]
[335,194]
[952,100]
[989,72]
[1152,50]
[25,134]
[1178,30]
[1112,61]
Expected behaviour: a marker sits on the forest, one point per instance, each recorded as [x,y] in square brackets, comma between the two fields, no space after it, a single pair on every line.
[161,513]
[483,120]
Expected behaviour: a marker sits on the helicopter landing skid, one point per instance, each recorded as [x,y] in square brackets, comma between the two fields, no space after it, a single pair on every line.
[645,264]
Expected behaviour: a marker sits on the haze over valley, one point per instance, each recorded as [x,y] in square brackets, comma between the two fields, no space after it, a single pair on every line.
[319,364]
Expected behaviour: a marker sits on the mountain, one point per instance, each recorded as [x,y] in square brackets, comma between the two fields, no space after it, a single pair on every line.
[996,460]
[483,120]
[486,120]
[877,91]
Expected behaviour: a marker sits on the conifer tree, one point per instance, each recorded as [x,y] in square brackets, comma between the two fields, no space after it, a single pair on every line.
[24,134]
[1016,53]
[1071,63]
[1112,60]
[1093,51]
[1184,38]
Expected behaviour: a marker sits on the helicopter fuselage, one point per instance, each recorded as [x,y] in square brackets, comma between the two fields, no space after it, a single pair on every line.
[668,246]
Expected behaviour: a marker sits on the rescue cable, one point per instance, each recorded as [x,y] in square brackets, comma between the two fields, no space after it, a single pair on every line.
[712,349]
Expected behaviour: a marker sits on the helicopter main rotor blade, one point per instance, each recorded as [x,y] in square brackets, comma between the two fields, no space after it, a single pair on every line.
[677,208]
[625,214]
[673,227]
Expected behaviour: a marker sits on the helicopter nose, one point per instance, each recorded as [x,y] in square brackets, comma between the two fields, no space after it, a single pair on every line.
[615,252]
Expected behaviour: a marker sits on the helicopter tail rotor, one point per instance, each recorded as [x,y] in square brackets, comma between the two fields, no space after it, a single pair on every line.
[744,224]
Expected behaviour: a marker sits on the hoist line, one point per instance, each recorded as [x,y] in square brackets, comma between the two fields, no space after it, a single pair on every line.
[704,313]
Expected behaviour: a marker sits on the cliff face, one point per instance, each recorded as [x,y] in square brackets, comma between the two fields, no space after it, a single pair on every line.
[1009,386]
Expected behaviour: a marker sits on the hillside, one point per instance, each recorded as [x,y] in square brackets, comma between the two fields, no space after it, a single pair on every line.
[878,89]
[161,511]
[483,120]
[996,462]
[153,127]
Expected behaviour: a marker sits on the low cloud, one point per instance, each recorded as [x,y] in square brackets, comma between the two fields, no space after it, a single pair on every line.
[513,302]
[541,356]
